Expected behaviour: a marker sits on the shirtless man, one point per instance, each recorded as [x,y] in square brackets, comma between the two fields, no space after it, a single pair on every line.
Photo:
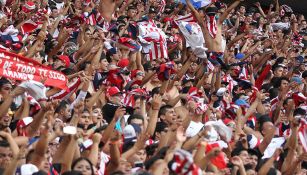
[108,7]
[212,29]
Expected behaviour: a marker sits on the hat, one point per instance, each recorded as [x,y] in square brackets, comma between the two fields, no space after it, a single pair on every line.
[227,121]
[111,51]
[28,169]
[28,6]
[297,80]
[240,56]
[131,132]
[300,59]
[152,10]
[241,102]
[113,91]
[211,11]
[65,59]
[135,72]
[221,91]
[124,62]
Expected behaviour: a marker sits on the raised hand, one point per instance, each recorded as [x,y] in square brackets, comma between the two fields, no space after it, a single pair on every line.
[96,138]
[120,112]
[236,161]
[156,102]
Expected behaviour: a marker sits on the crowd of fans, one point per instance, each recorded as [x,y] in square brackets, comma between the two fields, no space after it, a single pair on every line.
[152,103]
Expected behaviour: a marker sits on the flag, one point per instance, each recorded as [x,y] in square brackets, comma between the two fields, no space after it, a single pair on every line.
[199,3]
[303,134]
[228,79]
[183,163]
[192,33]
[153,40]
[299,98]
[212,25]
[128,42]
[243,74]
[21,124]
[162,4]
[186,18]
[195,95]
[29,26]
[129,98]
[65,94]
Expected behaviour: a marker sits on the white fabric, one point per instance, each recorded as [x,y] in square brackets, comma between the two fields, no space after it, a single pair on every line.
[35,89]
[193,128]
[275,143]
[80,97]
[192,33]
[28,169]
[221,128]
[280,25]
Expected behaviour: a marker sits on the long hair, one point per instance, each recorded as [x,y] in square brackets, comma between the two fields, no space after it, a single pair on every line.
[87,160]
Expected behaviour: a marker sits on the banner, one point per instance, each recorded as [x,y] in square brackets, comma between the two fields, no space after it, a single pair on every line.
[199,3]
[192,33]
[20,68]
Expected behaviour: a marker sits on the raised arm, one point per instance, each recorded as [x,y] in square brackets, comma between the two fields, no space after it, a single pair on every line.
[156,104]
[195,12]
[228,10]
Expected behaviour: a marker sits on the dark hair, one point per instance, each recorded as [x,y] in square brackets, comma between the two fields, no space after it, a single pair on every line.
[135,116]
[4,143]
[164,109]
[4,81]
[117,173]
[278,83]
[85,159]
[72,173]
[154,91]
[29,155]
[62,106]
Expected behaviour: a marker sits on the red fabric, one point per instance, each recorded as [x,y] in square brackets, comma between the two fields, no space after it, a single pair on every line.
[113,91]
[124,62]
[65,59]
[218,161]
[264,73]
[20,68]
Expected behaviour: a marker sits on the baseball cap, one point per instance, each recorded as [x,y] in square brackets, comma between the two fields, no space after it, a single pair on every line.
[124,62]
[297,80]
[241,102]
[240,56]
[28,169]
[131,132]
[113,91]
[65,59]
[221,91]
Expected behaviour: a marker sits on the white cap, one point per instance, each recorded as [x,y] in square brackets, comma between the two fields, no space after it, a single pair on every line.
[129,132]
[221,91]
[28,169]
